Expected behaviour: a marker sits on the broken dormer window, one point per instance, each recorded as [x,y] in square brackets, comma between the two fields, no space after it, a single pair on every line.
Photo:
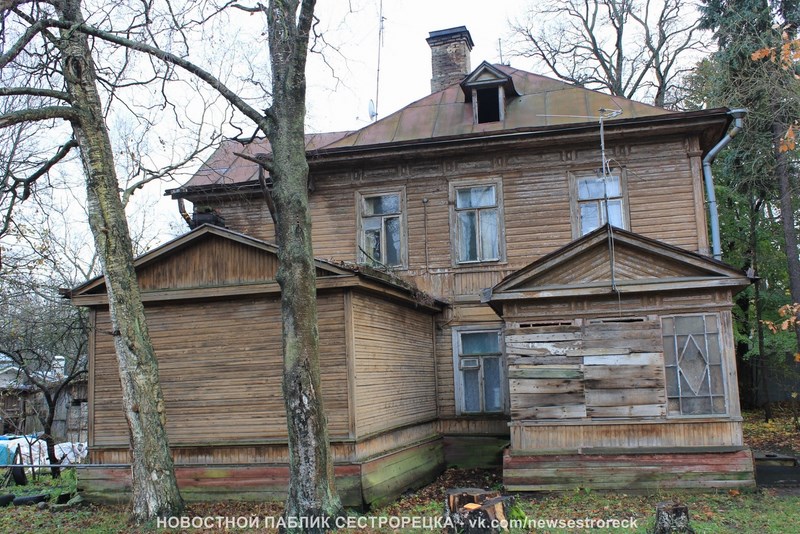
[488,89]
[488,103]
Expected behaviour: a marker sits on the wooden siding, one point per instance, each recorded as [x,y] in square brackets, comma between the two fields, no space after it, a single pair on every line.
[550,437]
[220,366]
[394,365]
[661,196]
[234,263]
[639,470]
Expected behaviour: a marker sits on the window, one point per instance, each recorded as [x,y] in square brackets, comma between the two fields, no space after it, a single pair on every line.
[477,223]
[599,200]
[480,385]
[693,365]
[488,102]
[381,241]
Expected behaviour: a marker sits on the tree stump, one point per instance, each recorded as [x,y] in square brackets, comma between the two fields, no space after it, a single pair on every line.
[474,510]
[672,517]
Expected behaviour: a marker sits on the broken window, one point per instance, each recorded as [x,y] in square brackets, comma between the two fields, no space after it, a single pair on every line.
[599,200]
[488,104]
[480,385]
[693,365]
[478,225]
[381,241]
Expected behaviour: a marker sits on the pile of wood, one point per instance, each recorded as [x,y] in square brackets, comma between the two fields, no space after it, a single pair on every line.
[477,511]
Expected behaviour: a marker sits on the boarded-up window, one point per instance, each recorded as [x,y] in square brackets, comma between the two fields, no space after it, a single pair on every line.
[479,371]
[693,365]
[381,235]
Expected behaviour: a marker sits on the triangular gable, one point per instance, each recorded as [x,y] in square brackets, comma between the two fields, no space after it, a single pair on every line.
[639,264]
[184,263]
[487,75]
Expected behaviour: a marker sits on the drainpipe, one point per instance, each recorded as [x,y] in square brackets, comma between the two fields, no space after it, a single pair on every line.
[713,215]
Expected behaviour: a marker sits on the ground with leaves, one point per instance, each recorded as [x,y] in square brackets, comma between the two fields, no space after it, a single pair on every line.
[763,511]
[777,435]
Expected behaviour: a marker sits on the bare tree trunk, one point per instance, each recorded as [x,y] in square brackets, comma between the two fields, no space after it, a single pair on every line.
[155,490]
[312,493]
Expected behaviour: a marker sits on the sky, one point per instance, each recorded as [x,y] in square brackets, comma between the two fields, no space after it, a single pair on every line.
[405,67]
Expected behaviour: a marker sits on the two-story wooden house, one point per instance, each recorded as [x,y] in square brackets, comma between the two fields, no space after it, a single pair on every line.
[485,277]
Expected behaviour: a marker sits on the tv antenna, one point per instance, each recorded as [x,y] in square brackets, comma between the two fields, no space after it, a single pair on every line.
[604,115]
[373,106]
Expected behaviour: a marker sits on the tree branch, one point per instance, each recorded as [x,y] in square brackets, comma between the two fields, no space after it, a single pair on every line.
[40,114]
[34,91]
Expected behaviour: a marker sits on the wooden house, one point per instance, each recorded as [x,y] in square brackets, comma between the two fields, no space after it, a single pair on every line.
[531,295]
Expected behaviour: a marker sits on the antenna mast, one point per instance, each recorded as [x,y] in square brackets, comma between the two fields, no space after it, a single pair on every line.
[374,116]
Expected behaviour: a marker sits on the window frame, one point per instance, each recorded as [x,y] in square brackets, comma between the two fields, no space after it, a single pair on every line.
[455,234]
[458,377]
[360,197]
[575,176]
[723,366]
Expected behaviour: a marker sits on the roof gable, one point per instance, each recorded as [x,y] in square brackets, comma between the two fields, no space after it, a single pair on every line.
[183,263]
[639,264]
[487,75]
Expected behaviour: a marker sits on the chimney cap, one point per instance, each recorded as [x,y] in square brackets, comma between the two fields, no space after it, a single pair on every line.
[437,36]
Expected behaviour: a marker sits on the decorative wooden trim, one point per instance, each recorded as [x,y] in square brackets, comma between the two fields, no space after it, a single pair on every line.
[90,383]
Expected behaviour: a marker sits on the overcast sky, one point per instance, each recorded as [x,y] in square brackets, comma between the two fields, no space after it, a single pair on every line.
[405,69]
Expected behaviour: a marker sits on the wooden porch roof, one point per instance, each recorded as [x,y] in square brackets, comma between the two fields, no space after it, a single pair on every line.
[214,262]
[612,260]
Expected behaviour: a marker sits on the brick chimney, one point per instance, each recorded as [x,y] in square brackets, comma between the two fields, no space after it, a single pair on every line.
[449,56]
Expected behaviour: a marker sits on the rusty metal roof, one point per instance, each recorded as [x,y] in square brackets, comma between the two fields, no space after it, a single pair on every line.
[225,167]
[542,102]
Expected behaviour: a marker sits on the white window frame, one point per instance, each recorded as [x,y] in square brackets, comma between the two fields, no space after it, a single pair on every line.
[361,196]
[722,366]
[454,224]
[576,202]
[458,375]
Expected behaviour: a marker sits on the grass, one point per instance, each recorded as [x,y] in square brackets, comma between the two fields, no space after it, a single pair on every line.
[758,511]
[764,512]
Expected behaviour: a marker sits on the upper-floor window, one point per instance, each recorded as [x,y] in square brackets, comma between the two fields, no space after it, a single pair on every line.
[598,200]
[693,366]
[479,369]
[478,223]
[381,240]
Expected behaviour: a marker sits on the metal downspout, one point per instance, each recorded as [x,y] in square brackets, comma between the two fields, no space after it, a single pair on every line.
[713,215]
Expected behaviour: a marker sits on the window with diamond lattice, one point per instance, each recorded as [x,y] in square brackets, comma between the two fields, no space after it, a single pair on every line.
[693,365]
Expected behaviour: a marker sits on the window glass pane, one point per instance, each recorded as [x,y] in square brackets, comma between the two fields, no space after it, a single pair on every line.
[696,406]
[475,197]
[590,188]
[692,324]
[472,395]
[714,356]
[590,217]
[671,377]
[492,385]
[668,325]
[489,242]
[392,228]
[480,343]
[613,187]
[716,380]
[382,204]
[615,213]
[711,323]
[372,245]
[467,237]
[719,404]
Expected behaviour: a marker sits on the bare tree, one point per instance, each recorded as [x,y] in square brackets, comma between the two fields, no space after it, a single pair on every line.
[289,25]
[630,48]
[56,71]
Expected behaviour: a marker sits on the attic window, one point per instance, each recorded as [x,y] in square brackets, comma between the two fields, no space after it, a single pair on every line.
[488,104]
[487,101]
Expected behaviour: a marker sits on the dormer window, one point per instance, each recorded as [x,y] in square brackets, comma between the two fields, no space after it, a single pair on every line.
[488,103]
[488,89]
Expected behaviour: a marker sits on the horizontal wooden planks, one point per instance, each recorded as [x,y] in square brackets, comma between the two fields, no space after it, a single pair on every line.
[220,365]
[656,470]
[394,365]
[590,369]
